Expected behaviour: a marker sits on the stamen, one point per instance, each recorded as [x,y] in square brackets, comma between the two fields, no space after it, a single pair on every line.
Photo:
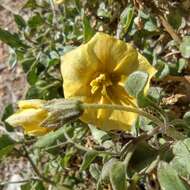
[101,82]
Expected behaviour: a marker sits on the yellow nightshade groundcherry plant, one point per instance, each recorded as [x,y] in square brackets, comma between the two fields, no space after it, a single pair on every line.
[96,72]
[93,76]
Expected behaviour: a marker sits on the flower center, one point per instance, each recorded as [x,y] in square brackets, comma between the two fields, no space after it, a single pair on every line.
[100,83]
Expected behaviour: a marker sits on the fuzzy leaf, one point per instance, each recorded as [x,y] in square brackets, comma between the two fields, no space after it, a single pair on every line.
[136,82]
[88,159]
[169,179]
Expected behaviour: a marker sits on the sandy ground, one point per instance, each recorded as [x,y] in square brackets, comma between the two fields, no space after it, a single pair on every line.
[12,86]
[12,80]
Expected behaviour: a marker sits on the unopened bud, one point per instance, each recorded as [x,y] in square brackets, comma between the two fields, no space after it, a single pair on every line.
[62,111]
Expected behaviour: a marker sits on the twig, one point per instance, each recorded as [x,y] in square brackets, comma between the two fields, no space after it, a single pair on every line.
[20,181]
[57,145]
[53,10]
[38,173]
[35,168]
[172,53]
[84,148]
[169,29]
[8,9]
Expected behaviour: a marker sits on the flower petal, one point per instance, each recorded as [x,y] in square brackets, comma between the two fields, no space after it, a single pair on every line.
[112,119]
[27,116]
[78,68]
[33,103]
[114,54]
[35,130]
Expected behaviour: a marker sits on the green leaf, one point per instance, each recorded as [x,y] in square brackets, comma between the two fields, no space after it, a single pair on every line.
[136,82]
[32,75]
[88,31]
[88,159]
[106,169]
[35,21]
[185,47]
[168,178]
[155,93]
[97,134]
[150,25]
[39,186]
[175,18]
[181,64]
[26,186]
[181,161]
[95,171]
[12,58]
[163,69]
[143,156]
[11,39]
[50,138]
[30,4]
[182,147]
[127,17]
[27,63]
[19,21]
[186,117]
[8,110]
[69,153]
[118,176]
[6,145]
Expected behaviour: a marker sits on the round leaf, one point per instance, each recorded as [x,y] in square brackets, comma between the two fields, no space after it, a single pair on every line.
[185,47]
[136,82]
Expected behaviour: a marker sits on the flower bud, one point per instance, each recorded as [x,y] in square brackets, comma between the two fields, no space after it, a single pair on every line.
[38,117]
[63,111]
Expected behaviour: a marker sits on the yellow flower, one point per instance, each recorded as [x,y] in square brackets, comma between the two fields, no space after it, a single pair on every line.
[58,1]
[95,73]
[30,116]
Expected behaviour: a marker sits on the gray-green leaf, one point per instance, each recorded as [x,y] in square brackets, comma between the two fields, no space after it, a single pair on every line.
[6,145]
[88,159]
[117,176]
[185,47]
[136,82]
[168,178]
[11,39]
[87,29]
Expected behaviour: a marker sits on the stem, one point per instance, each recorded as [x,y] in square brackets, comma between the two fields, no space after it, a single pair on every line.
[51,85]
[56,146]
[35,168]
[123,108]
[84,148]
[53,10]
[20,181]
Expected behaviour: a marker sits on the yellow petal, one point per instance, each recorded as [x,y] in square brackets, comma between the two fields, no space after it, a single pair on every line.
[27,116]
[129,63]
[104,113]
[112,119]
[111,51]
[35,130]
[78,68]
[33,103]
